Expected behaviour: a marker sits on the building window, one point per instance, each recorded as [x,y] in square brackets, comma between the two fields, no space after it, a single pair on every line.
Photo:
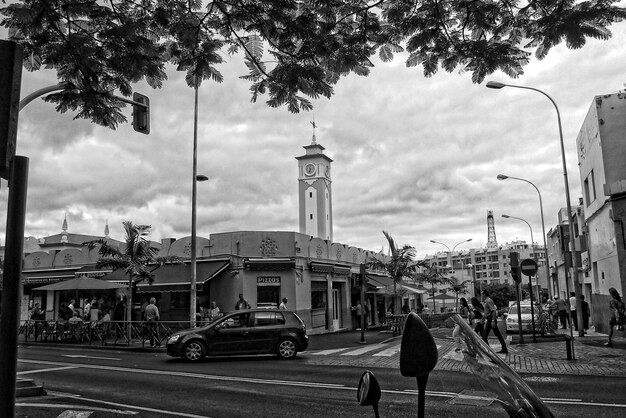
[311,216]
[310,194]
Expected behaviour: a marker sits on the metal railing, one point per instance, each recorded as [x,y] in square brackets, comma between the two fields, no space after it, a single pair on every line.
[396,322]
[139,333]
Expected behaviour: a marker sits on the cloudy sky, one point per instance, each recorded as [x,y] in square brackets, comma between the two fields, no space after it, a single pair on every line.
[417,157]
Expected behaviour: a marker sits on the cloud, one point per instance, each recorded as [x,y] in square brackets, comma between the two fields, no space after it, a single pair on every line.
[414,156]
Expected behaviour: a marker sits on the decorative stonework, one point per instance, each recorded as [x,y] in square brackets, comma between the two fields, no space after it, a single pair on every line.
[338,255]
[319,251]
[354,258]
[187,250]
[36,261]
[268,247]
[67,259]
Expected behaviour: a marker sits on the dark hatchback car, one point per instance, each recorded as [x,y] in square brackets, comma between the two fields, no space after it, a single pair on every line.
[254,331]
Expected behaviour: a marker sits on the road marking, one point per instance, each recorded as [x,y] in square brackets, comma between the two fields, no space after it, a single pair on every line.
[282,382]
[362,350]
[74,407]
[52,369]
[389,352]
[327,352]
[93,357]
[75,414]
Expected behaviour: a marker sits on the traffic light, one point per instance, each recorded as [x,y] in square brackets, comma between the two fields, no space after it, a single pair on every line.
[515,267]
[141,113]
[10,83]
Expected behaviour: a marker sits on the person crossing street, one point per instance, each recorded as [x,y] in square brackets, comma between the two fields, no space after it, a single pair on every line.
[491,322]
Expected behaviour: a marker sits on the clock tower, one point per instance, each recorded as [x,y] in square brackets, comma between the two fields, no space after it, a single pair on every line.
[315,196]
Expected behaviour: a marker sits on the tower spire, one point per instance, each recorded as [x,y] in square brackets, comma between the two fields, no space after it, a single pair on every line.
[491,231]
[64,227]
[106,228]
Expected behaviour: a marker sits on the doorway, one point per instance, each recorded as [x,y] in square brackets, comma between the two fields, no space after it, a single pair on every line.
[336,296]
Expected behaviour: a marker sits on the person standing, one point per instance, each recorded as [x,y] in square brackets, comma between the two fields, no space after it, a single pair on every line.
[358,310]
[464,313]
[491,322]
[572,309]
[586,312]
[561,307]
[214,312]
[241,303]
[478,314]
[283,304]
[152,316]
[617,312]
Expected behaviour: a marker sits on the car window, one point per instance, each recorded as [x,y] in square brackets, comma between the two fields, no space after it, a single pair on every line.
[262,319]
[525,310]
[235,321]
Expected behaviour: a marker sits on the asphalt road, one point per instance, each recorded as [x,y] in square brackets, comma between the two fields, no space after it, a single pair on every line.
[117,383]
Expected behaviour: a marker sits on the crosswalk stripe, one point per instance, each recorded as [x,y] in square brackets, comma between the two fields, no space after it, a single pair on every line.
[362,350]
[388,352]
[327,352]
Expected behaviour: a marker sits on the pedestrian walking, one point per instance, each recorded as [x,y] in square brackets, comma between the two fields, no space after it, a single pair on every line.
[586,312]
[478,315]
[241,303]
[572,309]
[561,307]
[464,313]
[491,322]
[617,312]
[283,304]
[152,316]
[358,310]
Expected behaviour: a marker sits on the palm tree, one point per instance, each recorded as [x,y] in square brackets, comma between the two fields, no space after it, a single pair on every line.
[433,276]
[400,264]
[137,255]
[458,287]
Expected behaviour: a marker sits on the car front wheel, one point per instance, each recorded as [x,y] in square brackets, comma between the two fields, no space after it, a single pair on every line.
[287,349]
[194,351]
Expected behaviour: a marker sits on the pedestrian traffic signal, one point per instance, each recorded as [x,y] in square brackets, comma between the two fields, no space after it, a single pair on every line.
[141,113]
[516,274]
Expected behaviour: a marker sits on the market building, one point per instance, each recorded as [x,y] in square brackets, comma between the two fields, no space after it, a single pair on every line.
[318,277]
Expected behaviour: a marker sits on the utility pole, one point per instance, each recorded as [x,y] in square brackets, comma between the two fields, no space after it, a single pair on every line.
[15,170]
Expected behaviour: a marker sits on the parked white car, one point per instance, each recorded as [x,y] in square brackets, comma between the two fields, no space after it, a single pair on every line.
[512,324]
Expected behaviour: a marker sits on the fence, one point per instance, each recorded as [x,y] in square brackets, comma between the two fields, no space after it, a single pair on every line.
[137,333]
[396,324]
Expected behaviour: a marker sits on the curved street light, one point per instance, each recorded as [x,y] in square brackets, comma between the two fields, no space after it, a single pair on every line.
[570,220]
[543,226]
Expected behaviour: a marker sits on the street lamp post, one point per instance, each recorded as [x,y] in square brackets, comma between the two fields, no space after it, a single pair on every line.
[194,191]
[543,227]
[450,252]
[570,220]
[530,282]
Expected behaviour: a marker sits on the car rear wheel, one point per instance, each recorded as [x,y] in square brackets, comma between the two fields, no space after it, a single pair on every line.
[287,349]
[194,351]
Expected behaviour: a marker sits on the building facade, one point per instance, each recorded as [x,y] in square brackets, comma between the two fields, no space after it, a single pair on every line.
[601,147]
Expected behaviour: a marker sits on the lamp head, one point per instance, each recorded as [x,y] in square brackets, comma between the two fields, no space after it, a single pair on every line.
[495,85]
[433,241]
[468,240]
[201,177]
[502,177]
[505,216]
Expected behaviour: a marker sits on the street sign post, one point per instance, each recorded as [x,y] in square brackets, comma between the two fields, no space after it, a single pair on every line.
[529,268]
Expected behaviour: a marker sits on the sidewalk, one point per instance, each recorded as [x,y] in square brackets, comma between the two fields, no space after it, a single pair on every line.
[590,355]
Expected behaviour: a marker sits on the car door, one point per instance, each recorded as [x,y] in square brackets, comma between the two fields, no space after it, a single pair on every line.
[231,335]
[266,330]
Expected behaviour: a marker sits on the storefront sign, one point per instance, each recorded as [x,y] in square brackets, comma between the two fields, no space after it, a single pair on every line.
[268,281]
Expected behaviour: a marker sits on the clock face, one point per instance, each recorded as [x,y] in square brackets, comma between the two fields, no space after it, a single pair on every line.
[309,170]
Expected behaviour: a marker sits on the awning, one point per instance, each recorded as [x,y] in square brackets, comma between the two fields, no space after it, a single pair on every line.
[87,283]
[177,277]
[378,281]
[270,263]
[47,276]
